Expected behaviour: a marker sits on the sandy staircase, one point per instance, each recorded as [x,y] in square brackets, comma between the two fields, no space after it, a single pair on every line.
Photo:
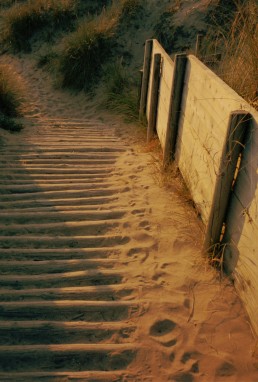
[66,313]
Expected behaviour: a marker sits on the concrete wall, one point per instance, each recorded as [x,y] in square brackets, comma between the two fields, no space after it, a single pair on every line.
[206,106]
[167,68]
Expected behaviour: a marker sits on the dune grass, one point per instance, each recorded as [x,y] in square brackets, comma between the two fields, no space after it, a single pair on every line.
[11,92]
[164,30]
[22,20]
[92,44]
[121,91]
[235,41]
[11,98]
[239,66]
[85,50]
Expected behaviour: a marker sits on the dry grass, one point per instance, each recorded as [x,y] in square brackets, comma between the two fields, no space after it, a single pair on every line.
[169,176]
[237,43]
[92,44]
[22,20]
[85,50]
[121,91]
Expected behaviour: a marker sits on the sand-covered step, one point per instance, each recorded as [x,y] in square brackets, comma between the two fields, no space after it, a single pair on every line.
[40,182]
[14,216]
[21,170]
[51,178]
[33,165]
[97,292]
[69,310]
[87,210]
[52,241]
[71,136]
[23,253]
[65,376]
[84,148]
[32,187]
[66,228]
[40,142]
[56,332]
[53,266]
[61,193]
[57,156]
[67,357]
[63,279]
[60,161]
[59,202]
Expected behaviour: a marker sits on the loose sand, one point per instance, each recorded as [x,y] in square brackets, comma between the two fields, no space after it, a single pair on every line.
[190,324]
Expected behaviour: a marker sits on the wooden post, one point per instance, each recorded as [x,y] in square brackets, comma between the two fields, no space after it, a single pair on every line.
[154,97]
[145,77]
[198,46]
[174,107]
[139,89]
[233,146]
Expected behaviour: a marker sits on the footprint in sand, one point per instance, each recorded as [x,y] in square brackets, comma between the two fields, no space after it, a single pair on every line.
[162,327]
[139,253]
[133,177]
[145,224]
[165,332]
[182,377]
[139,212]
[226,369]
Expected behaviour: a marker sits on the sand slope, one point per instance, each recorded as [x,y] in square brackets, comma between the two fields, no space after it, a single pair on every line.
[102,275]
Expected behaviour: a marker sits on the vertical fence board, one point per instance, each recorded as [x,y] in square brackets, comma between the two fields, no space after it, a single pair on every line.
[233,145]
[145,77]
[174,107]
[154,97]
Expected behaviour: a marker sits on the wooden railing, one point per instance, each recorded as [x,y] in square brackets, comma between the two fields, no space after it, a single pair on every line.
[212,135]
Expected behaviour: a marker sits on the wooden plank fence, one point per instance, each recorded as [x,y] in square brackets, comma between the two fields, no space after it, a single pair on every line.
[212,134]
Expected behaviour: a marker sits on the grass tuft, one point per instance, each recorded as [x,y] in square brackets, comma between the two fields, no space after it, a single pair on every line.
[121,92]
[93,43]
[11,99]
[84,52]
[11,92]
[22,20]
[9,124]
[235,41]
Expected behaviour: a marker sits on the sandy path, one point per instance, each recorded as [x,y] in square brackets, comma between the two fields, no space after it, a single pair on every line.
[102,277]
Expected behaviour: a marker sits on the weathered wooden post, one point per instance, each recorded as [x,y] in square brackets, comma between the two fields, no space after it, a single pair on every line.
[154,97]
[233,146]
[174,107]
[198,46]
[145,77]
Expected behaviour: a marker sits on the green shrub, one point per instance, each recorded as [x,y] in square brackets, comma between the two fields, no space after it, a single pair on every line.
[11,92]
[165,31]
[121,92]
[22,20]
[93,43]
[9,3]
[129,9]
[84,52]
[9,124]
